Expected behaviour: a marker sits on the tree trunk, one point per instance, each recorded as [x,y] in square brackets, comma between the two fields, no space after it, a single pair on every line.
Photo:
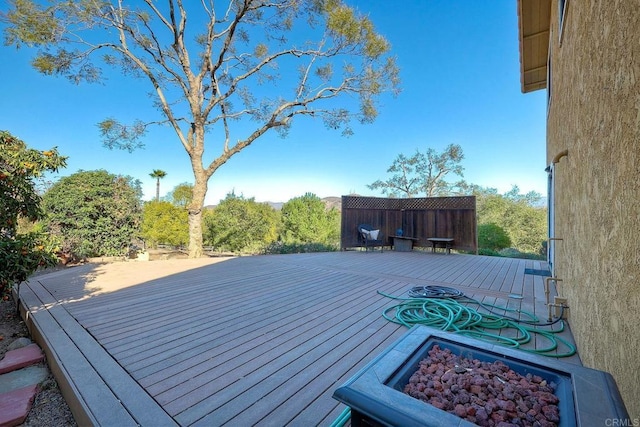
[195,216]
[195,233]
[157,189]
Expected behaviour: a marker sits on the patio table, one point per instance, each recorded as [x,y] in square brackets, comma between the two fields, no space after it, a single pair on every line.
[447,242]
[403,243]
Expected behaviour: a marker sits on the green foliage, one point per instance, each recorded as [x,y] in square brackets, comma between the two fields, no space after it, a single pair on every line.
[299,248]
[209,79]
[344,24]
[162,222]
[94,213]
[520,216]
[243,225]
[487,252]
[240,225]
[34,26]
[305,219]
[181,195]
[424,173]
[514,253]
[405,182]
[20,166]
[22,253]
[122,136]
[492,236]
[158,175]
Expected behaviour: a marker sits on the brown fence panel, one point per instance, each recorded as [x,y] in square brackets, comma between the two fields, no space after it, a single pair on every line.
[421,218]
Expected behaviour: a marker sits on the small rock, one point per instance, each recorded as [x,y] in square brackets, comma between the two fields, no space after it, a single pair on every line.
[547,397]
[22,378]
[475,389]
[447,376]
[15,405]
[551,413]
[481,414]
[460,411]
[19,343]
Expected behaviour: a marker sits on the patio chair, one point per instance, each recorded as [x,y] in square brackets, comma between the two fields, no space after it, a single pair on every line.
[370,237]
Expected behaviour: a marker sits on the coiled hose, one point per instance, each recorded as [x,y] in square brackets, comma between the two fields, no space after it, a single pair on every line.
[451,310]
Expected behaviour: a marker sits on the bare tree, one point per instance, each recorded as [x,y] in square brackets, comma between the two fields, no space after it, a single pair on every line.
[434,167]
[424,173]
[232,72]
[405,182]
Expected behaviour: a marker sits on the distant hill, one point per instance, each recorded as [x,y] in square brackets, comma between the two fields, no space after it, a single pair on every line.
[276,205]
[333,202]
[330,202]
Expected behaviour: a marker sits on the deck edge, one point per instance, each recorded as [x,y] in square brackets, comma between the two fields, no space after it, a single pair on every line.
[116,397]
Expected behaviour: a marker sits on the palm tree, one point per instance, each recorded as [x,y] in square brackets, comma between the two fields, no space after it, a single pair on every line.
[158,175]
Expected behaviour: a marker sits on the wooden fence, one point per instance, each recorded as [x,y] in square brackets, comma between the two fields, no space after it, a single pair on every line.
[420,218]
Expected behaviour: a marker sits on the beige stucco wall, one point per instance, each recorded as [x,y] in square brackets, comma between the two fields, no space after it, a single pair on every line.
[594,112]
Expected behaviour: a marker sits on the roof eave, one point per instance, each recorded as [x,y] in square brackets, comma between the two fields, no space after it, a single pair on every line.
[534,20]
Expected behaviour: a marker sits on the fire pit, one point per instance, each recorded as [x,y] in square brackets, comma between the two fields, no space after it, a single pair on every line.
[376,394]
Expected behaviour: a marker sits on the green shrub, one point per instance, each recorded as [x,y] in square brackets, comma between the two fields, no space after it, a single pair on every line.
[488,252]
[305,219]
[24,255]
[240,225]
[21,253]
[522,217]
[492,236]
[297,248]
[94,213]
[163,222]
[514,253]
[510,253]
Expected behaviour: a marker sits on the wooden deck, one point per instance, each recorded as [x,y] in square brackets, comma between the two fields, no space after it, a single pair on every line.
[259,340]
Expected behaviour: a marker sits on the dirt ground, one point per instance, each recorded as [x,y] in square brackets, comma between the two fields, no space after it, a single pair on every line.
[49,408]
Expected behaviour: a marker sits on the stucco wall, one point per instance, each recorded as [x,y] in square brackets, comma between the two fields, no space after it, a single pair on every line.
[594,112]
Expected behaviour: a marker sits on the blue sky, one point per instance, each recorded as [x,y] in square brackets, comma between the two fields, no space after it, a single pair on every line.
[460,77]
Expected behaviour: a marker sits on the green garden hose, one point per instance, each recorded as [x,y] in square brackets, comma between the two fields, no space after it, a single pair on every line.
[342,418]
[450,310]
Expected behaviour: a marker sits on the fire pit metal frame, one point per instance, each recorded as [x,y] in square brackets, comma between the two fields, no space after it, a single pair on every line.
[372,396]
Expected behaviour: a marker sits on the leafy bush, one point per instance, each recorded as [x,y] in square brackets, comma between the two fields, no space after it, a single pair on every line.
[94,213]
[22,253]
[306,219]
[298,248]
[510,253]
[514,253]
[240,225]
[488,252]
[492,236]
[163,222]
[522,217]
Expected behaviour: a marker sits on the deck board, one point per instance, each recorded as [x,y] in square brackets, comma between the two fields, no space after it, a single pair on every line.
[226,311]
[266,340]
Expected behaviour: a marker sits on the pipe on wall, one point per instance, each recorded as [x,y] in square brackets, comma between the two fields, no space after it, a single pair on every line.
[555,160]
[547,291]
[560,155]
